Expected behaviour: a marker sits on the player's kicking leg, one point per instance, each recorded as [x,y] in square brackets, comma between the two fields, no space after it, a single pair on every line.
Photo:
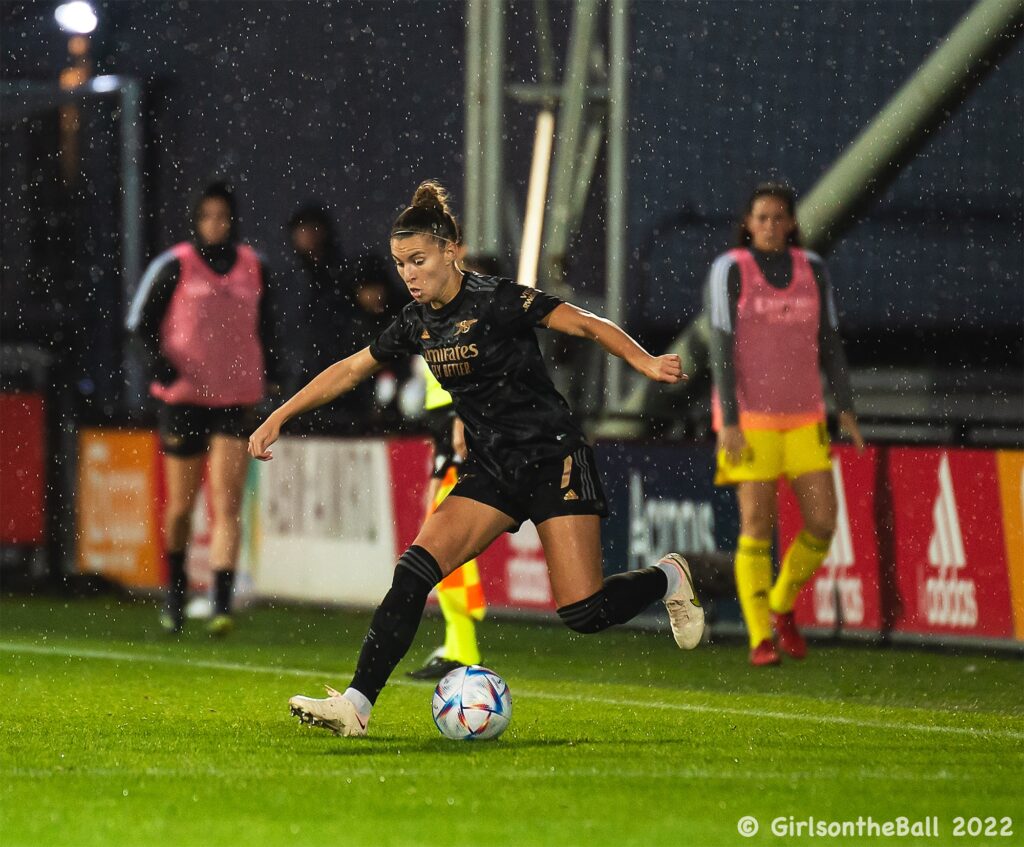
[457,532]
[335,712]
[685,613]
[589,603]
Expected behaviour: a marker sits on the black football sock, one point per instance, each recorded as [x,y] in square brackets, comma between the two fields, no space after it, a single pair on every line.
[621,598]
[223,585]
[177,579]
[395,622]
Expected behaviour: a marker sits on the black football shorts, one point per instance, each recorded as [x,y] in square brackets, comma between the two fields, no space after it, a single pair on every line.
[185,430]
[547,489]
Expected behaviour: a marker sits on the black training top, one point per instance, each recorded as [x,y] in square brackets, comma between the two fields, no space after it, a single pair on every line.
[483,349]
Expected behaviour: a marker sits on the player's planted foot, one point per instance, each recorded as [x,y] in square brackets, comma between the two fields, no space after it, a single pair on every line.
[220,625]
[437,667]
[790,639]
[684,610]
[764,654]
[334,712]
[172,615]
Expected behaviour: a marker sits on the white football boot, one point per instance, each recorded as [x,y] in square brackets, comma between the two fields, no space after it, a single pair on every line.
[334,712]
[684,610]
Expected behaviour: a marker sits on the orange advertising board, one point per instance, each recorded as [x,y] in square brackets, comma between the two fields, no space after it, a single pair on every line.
[1011,493]
[119,506]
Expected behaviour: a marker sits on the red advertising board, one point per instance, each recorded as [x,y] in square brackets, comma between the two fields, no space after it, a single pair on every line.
[845,592]
[515,573]
[22,469]
[950,555]
[410,461]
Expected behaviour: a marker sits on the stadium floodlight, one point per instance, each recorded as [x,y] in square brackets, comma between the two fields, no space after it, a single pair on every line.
[77,17]
[103,84]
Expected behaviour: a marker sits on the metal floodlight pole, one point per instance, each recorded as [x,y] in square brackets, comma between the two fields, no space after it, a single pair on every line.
[570,122]
[615,236]
[545,53]
[590,155]
[131,185]
[473,131]
[533,224]
[492,154]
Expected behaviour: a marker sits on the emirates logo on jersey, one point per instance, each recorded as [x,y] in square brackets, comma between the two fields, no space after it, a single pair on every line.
[528,298]
[425,336]
[462,327]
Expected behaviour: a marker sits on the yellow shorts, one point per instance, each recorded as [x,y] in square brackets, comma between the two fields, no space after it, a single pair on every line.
[771,453]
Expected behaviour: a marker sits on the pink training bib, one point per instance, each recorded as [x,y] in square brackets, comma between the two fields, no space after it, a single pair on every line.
[778,377]
[211,332]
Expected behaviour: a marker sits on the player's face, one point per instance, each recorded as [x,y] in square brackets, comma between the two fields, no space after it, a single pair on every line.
[427,269]
[213,223]
[769,224]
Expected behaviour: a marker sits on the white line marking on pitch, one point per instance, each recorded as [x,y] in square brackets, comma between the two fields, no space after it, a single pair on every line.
[110,655]
[374,774]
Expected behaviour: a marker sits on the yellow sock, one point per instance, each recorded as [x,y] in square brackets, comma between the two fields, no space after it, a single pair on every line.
[459,631]
[753,577]
[802,559]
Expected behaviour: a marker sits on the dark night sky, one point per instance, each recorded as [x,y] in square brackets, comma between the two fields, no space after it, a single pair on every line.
[356,102]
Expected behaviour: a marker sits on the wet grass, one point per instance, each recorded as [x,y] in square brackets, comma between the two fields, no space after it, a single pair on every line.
[116,735]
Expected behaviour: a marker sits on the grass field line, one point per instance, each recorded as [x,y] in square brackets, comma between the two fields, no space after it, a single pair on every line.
[516,772]
[832,720]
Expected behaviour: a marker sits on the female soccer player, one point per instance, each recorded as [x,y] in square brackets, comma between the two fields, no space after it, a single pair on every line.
[528,459]
[201,320]
[774,329]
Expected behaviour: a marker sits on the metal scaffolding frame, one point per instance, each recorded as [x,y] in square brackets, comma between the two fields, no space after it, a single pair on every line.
[589,106]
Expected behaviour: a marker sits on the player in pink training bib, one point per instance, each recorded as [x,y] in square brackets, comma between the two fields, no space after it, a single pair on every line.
[773,331]
[201,319]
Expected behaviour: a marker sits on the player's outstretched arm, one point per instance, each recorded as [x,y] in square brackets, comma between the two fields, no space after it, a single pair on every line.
[572,320]
[323,388]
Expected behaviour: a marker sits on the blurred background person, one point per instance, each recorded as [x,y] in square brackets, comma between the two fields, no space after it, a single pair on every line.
[377,301]
[201,320]
[315,309]
[330,306]
[773,330]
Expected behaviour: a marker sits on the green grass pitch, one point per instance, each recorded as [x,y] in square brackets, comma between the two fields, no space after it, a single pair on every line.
[115,735]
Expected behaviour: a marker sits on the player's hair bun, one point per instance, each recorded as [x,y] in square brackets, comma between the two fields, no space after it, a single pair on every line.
[429,214]
[431,195]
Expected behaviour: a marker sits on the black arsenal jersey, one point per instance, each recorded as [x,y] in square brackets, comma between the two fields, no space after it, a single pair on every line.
[483,349]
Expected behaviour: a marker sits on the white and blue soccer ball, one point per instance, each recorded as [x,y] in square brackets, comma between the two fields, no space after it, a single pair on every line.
[472,703]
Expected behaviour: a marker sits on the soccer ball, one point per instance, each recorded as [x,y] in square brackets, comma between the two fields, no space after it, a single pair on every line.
[472,703]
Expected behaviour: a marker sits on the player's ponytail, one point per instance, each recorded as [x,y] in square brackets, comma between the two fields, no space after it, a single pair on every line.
[428,214]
